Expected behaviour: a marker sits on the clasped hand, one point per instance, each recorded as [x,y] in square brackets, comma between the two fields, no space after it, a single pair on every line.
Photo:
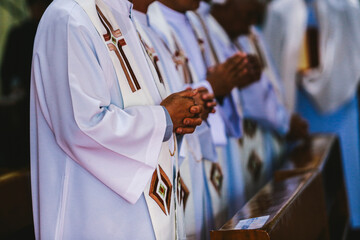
[185,113]
[240,71]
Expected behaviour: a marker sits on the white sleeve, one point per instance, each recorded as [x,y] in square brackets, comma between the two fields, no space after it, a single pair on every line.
[261,104]
[81,103]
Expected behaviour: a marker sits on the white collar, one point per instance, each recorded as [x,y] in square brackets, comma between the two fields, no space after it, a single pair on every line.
[204,8]
[141,17]
[121,6]
[172,16]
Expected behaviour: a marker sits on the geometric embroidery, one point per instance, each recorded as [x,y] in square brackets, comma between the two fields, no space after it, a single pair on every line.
[160,190]
[254,165]
[115,42]
[250,127]
[216,177]
[182,192]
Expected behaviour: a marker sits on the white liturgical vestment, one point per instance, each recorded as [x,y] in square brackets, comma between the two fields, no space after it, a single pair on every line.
[258,102]
[94,148]
[284,44]
[328,96]
[339,50]
[183,38]
[189,148]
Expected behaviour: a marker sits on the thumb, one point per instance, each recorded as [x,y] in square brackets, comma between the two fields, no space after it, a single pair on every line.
[188,93]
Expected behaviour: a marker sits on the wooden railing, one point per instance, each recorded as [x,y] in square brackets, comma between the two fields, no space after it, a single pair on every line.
[305,200]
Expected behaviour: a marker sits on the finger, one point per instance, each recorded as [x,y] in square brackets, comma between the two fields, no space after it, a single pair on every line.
[241,53]
[211,104]
[233,61]
[185,130]
[202,90]
[188,93]
[179,130]
[244,65]
[192,122]
[199,102]
[242,77]
[237,63]
[208,97]
[196,109]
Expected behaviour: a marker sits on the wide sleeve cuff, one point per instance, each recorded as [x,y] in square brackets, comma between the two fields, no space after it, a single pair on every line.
[169,126]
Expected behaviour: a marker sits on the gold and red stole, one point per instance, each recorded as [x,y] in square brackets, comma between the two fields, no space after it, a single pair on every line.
[159,193]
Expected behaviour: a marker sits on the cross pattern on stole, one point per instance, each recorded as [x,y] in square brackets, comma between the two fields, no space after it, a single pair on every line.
[180,59]
[153,57]
[115,42]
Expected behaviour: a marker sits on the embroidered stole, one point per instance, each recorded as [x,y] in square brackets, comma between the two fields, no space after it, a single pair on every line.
[201,36]
[153,61]
[256,163]
[252,147]
[216,181]
[182,182]
[184,196]
[207,35]
[258,50]
[190,151]
[159,193]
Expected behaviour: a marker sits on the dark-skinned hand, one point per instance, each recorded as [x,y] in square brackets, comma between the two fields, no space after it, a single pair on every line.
[299,128]
[252,73]
[255,67]
[223,77]
[207,100]
[183,110]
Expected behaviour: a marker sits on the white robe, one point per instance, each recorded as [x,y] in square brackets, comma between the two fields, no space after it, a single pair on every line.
[174,27]
[190,207]
[190,154]
[276,116]
[232,195]
[339,49]
[284,44]
[259,102]
[328,98]
[90,158]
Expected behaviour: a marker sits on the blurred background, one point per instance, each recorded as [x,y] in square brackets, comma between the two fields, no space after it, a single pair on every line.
[18,24]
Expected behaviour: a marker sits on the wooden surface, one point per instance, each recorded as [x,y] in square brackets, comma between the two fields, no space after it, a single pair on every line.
[15,202]
[305,197]
[322,153]
[294,214]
